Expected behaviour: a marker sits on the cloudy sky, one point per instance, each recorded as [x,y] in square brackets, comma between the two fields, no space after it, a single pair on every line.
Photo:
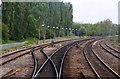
[92,11]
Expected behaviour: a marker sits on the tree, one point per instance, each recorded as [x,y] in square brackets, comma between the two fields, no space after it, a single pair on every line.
[82,31]
[103,28]
[5,32]
[25,19]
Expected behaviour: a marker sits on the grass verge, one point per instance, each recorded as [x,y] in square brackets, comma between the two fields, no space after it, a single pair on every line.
[32,42]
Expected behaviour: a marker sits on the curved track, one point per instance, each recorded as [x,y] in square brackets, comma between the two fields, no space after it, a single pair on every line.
[99,67]
[53,66]
[17,54]
[14,55]
[107,55]
[49,64]
[8,57]
[110,49]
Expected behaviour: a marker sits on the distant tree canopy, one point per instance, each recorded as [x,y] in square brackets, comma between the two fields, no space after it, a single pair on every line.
[21,20]
[103,28]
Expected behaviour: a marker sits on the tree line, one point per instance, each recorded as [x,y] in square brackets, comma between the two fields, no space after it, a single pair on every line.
[21,20]
[102,28]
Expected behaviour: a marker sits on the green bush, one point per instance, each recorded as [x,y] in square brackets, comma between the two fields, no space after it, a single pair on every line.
[5,32]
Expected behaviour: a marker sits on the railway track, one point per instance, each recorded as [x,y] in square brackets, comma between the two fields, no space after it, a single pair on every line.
[50,69]
[110,49]
[99,67]
[12,56]
[53,66]
[107,57]
[5,58]
[19,54]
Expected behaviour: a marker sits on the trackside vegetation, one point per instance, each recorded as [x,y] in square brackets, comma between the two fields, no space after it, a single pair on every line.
[45,20]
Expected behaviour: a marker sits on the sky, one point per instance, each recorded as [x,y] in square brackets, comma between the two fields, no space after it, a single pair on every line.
[93,11]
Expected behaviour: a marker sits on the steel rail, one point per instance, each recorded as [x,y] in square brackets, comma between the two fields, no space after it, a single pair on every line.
[84,52]
[33,55]
[24,49]
[11,59]
[110,69]
[27,51]
[35,63]
[62,61]
[49,58]
[111,47]
[14,52]
[109,51]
